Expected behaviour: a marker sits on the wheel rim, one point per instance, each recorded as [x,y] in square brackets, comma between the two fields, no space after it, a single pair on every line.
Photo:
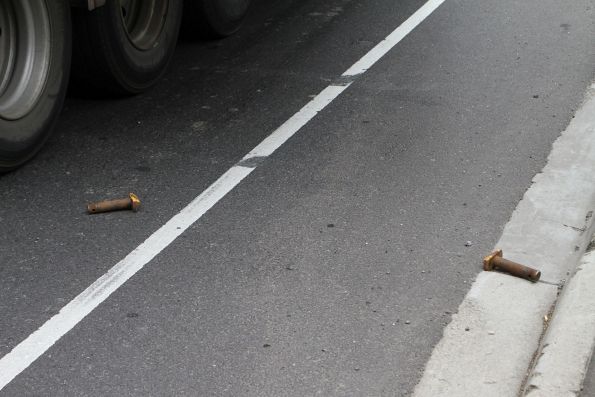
[144,21]
[24,55]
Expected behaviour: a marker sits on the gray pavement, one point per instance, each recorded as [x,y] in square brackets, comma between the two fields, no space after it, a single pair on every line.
[333,268]
[589,384]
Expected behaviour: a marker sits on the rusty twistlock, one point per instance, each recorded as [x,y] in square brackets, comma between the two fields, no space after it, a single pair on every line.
[130,203]
[495,261]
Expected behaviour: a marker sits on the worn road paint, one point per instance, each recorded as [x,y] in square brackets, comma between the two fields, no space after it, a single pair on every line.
[380,50]
[36,344]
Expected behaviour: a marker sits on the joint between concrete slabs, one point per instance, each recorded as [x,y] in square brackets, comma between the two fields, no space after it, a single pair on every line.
[569,341]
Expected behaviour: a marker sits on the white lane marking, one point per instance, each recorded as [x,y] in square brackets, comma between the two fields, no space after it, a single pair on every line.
[380,50]
[297,121]
[49,333]
[29,350]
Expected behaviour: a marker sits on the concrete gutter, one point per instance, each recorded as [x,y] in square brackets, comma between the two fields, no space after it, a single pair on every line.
[568,344]
[490,345]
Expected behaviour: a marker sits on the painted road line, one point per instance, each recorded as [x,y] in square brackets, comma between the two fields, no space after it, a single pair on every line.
[49,333]
[36,344]
[380,50]
[568,344]
[297,121]
[488,348]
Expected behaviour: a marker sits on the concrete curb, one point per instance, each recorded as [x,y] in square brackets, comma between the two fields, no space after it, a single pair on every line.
[488,347]
[568,344]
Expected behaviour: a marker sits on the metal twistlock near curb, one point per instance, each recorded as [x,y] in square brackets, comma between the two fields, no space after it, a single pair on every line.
[495,261]
[131,202]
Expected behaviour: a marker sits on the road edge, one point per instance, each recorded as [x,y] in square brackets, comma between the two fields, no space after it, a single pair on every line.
[568,344]
[488,347]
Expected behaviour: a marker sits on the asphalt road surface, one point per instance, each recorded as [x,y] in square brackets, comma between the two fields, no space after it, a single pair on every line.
[331,269]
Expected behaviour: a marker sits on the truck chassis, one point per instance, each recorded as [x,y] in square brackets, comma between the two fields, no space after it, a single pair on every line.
[102,47]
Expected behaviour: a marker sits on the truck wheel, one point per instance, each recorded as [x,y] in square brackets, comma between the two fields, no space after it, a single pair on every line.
[34,64]
[213,18]
[124,47]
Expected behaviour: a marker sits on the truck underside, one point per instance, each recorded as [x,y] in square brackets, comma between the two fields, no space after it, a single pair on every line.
[112,47]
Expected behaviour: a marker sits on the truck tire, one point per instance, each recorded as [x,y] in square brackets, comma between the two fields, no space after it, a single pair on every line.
[124,47]
[213,18]
[34,64]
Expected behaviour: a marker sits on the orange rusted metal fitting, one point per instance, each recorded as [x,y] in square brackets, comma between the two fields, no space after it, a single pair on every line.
[495,261]
[132,202]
